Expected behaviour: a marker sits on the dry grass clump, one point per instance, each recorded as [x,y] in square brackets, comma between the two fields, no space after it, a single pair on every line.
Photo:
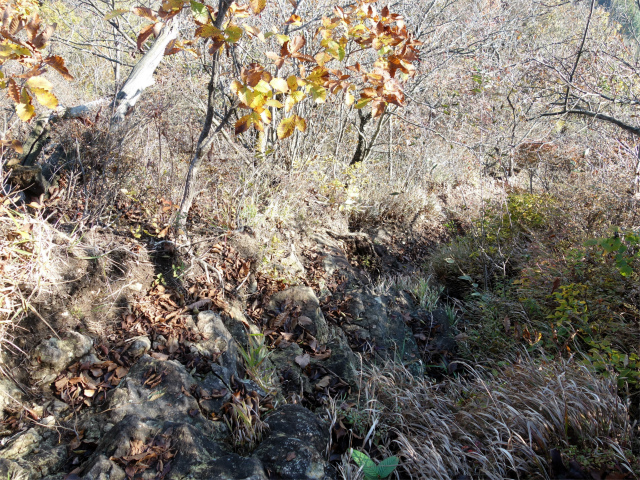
[500,425]
[31,267]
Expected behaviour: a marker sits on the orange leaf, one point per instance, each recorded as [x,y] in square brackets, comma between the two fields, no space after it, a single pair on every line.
[286,127]
[13,91]
[144,34]
[243,124]
[57,63]
[42,39]
[377,108]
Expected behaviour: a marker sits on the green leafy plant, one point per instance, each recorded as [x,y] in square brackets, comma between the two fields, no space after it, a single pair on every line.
[254,356]
[623,245]
[370,469]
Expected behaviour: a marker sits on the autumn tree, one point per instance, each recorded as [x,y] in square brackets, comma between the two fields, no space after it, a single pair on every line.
[360,56]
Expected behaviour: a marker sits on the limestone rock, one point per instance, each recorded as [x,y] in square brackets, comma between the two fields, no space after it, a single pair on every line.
[294,447]
[218,341]
[166,401]
[54,355]
[306,299]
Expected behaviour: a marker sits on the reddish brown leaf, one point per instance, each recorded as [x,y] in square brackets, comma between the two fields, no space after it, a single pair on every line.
[13,91]
[145,33]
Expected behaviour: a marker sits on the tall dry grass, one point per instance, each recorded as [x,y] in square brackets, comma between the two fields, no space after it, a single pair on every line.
[497,424]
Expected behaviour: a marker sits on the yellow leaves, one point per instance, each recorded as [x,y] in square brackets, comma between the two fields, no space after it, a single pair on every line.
[318,93]
[322,58]
[257,5]
[288,125]
[10,50]
[292,82]
[349,99]
[292,99]
[363,102]
[39,83]
[24,109]
[280,84]
[42,89]
[262,87]
[45,98]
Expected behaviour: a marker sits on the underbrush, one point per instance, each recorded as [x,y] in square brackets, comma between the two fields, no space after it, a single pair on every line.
[540,271]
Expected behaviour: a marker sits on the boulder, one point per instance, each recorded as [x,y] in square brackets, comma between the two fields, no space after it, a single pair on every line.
[218,341]
[294,447]
[306,299]
[8,390]
[59,353]
[29,179]
[170,400]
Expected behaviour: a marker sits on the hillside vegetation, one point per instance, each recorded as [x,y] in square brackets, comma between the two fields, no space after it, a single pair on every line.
[290,239]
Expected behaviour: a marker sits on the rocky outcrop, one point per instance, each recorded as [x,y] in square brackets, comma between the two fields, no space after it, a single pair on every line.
[170,420]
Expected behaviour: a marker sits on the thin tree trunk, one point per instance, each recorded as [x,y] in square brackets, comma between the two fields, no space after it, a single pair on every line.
[204,142]
[358,155]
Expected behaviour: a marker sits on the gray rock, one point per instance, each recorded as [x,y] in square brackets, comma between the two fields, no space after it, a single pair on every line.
[22,445]
[45,462]
[333,257]
[166,401]
[209,391]
[8,389]
[283,360]
[292,264]
[238,325]
[379,326]
[57,407]
[12,471]
[200,458]
[342,361]
[294,446]
[139,347]
[54,355]
[218,341]
[104,469]
[306,299]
